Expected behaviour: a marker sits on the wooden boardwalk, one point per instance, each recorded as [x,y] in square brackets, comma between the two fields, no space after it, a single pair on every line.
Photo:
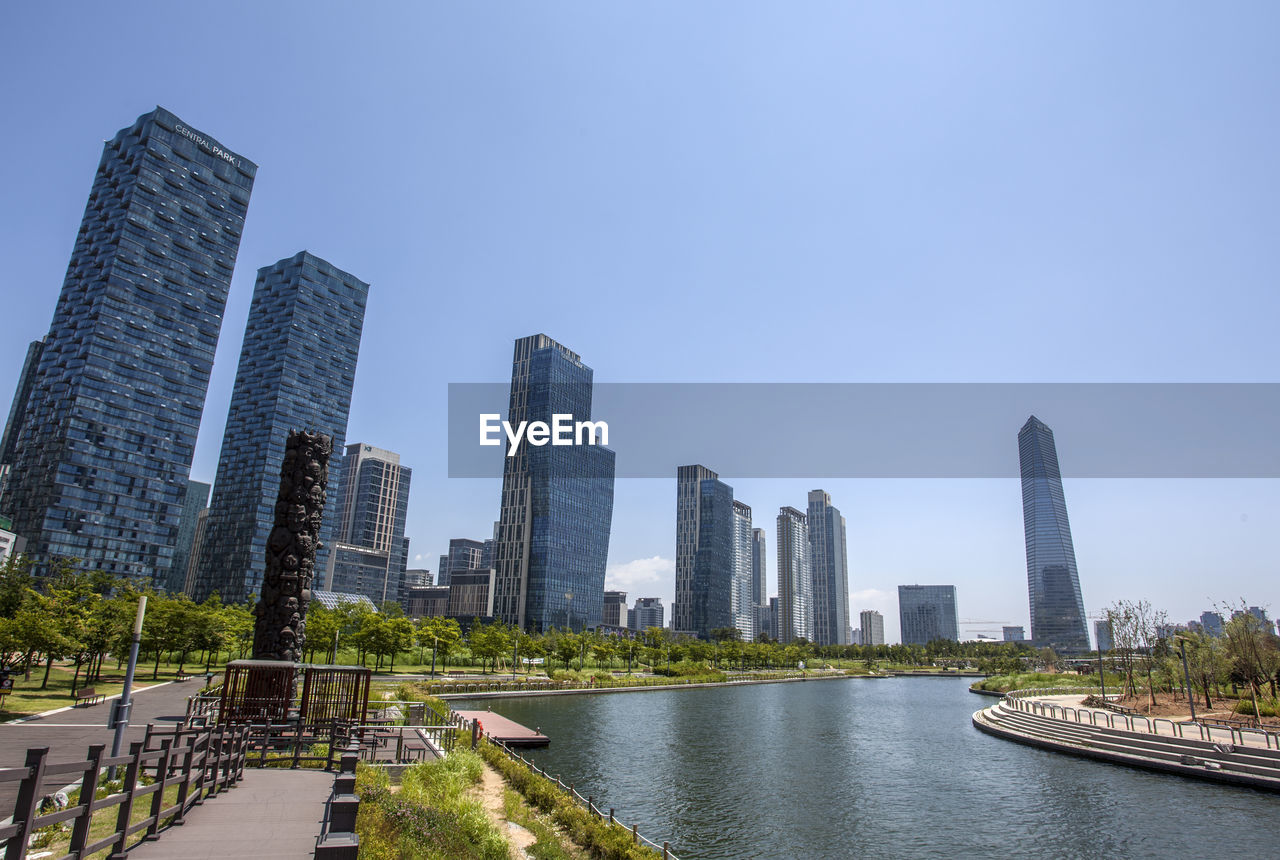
[499,728]
[272,813]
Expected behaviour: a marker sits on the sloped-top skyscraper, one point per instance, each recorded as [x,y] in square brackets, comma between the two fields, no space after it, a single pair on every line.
[297,368]
[1057,608]
[557,501]
[101,463]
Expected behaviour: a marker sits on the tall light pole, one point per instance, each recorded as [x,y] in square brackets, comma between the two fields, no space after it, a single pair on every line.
[1191,699]
[120,713]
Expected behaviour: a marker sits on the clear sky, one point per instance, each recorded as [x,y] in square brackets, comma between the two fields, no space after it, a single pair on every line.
[728,192]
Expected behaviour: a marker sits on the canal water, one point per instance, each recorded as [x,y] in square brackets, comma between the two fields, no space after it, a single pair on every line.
[869,768]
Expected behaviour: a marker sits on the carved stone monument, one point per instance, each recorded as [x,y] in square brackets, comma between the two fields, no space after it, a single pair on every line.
[281,625]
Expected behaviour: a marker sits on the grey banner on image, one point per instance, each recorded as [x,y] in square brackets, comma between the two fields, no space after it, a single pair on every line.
[908,430]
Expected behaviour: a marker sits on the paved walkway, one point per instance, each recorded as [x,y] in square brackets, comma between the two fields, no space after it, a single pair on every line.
[271,813]
[1166,725]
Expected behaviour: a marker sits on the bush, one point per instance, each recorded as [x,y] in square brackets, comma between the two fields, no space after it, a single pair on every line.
[431,817]
[1269,708]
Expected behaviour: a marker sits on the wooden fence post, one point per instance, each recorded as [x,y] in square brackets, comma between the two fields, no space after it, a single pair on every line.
[126,808]
[157,799]
[184,787]
[27,804]
[88,788]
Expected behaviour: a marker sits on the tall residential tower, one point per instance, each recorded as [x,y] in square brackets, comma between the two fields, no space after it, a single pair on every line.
[795,578]
[688,511]
[370,552]
[101,463]
[830,562]
[297,369]
[1057,608]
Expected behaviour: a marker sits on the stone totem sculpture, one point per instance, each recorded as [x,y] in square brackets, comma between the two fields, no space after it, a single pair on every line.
[280,630]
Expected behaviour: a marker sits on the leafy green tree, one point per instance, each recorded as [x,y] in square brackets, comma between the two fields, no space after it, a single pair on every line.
[489,641]
[443,634]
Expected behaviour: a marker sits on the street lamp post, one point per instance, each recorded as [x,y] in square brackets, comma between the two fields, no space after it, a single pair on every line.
[120,713]
[1186,674]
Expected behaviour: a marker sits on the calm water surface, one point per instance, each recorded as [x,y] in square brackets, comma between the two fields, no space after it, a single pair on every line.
[856,768]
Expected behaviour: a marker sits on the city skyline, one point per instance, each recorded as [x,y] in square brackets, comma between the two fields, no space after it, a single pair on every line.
[618,195]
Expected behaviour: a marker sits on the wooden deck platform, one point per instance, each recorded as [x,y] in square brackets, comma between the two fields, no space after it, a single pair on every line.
[498,728]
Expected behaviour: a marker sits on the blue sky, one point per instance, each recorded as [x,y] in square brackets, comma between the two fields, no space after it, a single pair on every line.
[728,192]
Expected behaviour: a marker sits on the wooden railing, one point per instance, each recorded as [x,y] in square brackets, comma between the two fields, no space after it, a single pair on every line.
[199,762]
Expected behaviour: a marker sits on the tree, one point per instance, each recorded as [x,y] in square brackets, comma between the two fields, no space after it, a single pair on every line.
[489,641]
[443,634]
[1252,651]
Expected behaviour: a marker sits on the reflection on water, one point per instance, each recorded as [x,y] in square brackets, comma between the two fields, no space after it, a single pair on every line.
[868,767]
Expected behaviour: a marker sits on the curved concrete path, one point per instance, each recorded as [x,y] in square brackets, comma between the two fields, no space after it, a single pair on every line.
[1218,759]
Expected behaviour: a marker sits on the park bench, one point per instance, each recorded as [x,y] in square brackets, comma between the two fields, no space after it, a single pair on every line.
[88,696]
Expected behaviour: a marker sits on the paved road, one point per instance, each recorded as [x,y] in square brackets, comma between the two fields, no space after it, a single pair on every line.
[71,732]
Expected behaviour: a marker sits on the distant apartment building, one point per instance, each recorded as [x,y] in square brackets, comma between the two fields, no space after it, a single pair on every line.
[741,606]
[463,554]
[18,414]
[10,543]
[615,609]
[194,503]
[370,550]
[872,627]
[426,601]
[471,594]
[758,568]
[855,636]
[713,563]
[1014,633]
[1212,623]
[829,562]
[927,612]
[795,578]
[647,612]
[418,576]
[689,482]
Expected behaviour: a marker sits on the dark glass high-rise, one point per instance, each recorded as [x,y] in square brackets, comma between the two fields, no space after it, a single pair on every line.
[297,368]
[557,500]
[101,464]
[1053,583]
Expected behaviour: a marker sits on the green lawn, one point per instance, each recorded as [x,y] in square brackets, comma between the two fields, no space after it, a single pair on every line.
[27,697]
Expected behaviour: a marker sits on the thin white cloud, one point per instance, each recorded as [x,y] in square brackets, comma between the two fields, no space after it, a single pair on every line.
[641,572]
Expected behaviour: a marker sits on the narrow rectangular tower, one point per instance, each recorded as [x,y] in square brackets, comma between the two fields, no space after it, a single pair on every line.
[688,512]
[795,578]
[830,570]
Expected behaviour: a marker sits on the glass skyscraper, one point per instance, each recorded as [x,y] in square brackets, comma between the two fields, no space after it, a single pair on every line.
[713,563]
[17,413]
[557,500]
[196,500]
[1057,608]
[297,368]
[830,562]
[928,612]
[371,553]
[688,506]
[795,578]
[101,464]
